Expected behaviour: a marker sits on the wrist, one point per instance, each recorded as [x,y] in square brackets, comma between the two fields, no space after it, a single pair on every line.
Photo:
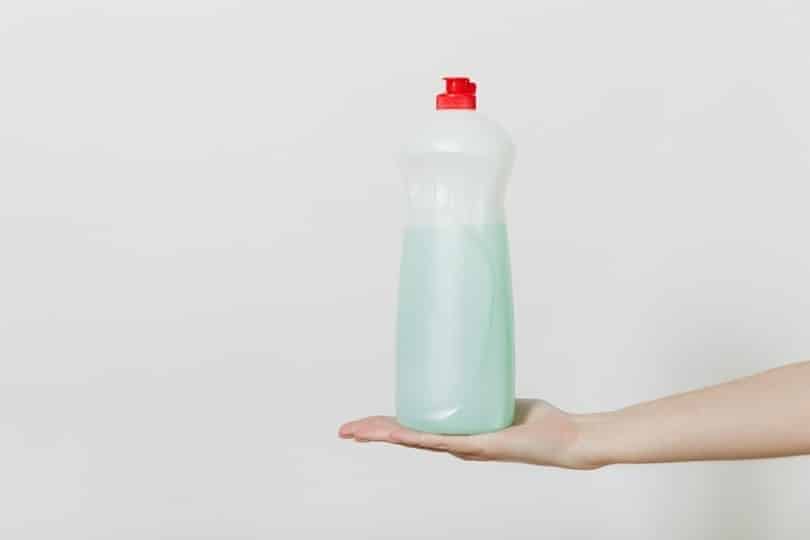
[590,449]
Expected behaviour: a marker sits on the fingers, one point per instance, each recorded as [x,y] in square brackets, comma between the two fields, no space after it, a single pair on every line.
[346,431]
[373,428]
[386,429]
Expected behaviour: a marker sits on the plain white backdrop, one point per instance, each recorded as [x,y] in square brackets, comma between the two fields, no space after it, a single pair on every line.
[199,242]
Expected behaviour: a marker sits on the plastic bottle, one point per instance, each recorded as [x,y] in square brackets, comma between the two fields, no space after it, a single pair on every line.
[455,348]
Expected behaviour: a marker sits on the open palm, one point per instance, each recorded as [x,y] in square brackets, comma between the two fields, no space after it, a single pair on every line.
[541,435]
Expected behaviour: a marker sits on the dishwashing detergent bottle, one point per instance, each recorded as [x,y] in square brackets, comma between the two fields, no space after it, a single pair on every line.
[455,347]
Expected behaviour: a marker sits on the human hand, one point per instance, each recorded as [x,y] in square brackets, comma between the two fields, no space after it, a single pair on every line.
[541,435]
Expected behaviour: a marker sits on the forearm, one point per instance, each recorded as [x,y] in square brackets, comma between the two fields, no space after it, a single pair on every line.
[765,415]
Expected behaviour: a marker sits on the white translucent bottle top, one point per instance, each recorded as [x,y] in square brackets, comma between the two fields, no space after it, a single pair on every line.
[456,170]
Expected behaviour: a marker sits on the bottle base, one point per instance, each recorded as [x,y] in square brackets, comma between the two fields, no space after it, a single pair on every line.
[446,426]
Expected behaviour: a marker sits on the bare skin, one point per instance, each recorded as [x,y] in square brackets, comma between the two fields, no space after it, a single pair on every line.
[765,415]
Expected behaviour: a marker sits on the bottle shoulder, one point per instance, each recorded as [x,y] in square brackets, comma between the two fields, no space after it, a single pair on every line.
[459,131]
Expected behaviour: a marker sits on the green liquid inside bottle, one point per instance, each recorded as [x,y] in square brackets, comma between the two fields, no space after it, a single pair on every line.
[455,348]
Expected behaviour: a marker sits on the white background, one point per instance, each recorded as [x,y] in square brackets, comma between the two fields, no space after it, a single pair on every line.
[199,241]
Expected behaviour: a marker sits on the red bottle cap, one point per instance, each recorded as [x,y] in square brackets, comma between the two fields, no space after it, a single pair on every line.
[459,94]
